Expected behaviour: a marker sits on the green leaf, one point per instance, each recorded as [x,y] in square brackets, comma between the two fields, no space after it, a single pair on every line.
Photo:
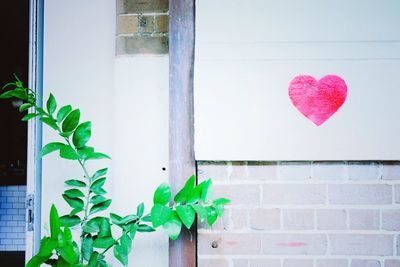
[99,207]
[76,183]
[50,147]
[82,134]
[75,211]
[29,116]
[37,261]
[121,254]
[105,227]
[145,228]
[126,242]
[94,259]
[50,122]
[140,210]
[67,152]
[205,190]
[75,203]
[132,230]
[201,211]
[63,112]
[97,199]
[160,214]
[71,121]
[70,220]
[186,214]
[97,155]
[51,104]
[146,218]
[212,215]
[6,95]
[25,107]
[19,93]
[162,195]
[54,223]
[221,201]
[93,225]
[83,152]
[115,219]
[87,247]
[47,246]
[182,195]
[173,228]
[197,193]
[96,187]
[103,242]
[68,252]
[74,193]
[99,173]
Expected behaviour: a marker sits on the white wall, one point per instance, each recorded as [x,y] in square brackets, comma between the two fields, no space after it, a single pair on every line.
[126,99]
[247,55]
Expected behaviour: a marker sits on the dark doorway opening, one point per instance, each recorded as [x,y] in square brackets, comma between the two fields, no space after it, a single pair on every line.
[14,59]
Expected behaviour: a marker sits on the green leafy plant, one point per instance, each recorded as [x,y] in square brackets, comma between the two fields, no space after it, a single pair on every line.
[86,196]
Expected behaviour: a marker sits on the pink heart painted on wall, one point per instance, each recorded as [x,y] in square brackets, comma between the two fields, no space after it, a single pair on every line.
[318,100]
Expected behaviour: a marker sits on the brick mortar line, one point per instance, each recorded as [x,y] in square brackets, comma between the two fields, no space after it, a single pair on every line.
[139,34]
[143,14]
[388,206]
[302,232]
[305,182]
[294,257]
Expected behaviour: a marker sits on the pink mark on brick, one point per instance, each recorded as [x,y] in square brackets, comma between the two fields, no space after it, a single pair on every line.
[318,100]
[292,244]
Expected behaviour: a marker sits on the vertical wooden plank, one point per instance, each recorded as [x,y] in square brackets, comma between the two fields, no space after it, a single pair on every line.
[182,252]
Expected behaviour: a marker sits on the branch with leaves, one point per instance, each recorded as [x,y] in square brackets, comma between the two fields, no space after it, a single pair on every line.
[86,196]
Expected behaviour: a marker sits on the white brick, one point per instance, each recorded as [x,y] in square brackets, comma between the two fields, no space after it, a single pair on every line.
[238,171]
[391,220]
[365,263]
[232,243]
[298,194]
[391,171]
[265,219]
[265,262]
[240,263]
[332,263]
[397,193]
[216,171]
[239,218]
[392,263]
[364,219]
[294,244]
[361,244]
[360,194]
[295,170]
[264,171]
[329,170]
[297,263]
[239,194]
[298,219]
[331,219]
[363,170]
[213,263]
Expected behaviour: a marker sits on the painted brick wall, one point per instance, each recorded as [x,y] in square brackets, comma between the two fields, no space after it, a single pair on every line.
[12,218]
[142,27]
[304,214]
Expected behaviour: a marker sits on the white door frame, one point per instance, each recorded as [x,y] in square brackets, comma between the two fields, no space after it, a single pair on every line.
[34,164]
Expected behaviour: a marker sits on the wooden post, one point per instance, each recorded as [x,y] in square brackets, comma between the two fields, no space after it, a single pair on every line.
[182,252]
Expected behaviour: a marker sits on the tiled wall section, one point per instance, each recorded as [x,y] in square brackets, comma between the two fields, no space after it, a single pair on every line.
[142,27]
[304,214]
[12,218]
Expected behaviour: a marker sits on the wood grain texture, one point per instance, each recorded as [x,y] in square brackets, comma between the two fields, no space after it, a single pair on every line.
[182,253]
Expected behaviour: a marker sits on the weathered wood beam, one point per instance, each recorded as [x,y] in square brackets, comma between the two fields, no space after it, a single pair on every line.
[182,252]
